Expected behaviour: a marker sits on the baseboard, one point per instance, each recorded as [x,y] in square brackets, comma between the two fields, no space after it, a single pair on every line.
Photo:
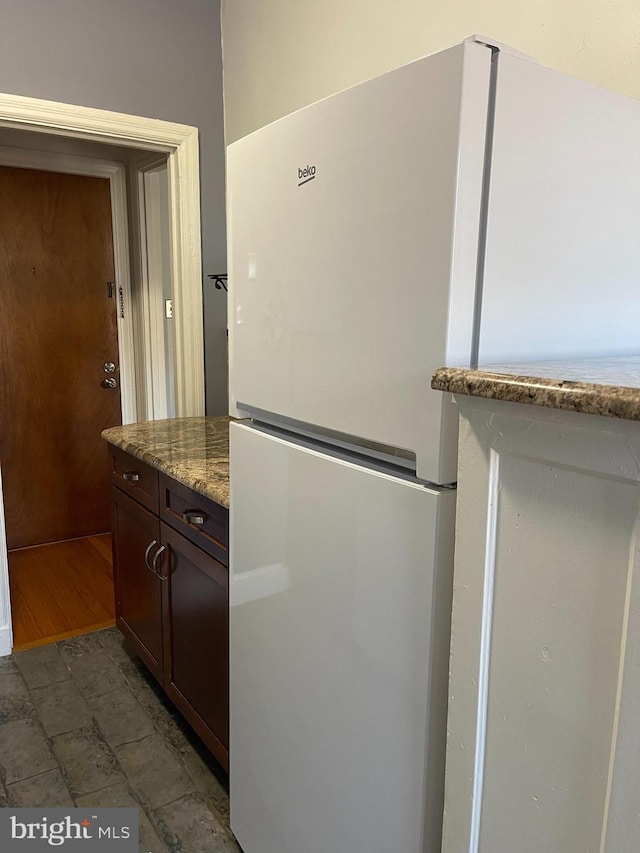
[5,641]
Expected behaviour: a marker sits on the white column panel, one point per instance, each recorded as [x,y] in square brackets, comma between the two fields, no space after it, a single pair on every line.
[542,751]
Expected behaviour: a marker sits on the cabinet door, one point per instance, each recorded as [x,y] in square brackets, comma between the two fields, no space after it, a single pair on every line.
[138,589]
[196,621]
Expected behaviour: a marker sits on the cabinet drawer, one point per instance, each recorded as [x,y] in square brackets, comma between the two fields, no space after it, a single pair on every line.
[201,520]
[134,477]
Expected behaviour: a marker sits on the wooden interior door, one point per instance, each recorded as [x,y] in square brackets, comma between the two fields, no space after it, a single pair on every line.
[58,329]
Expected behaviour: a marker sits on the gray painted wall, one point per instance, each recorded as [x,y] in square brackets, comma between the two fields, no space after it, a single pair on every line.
[284,54]
[155,58]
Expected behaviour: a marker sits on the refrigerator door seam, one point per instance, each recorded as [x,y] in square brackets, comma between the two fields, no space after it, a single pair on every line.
[484,206]
[361,460]
[397,456]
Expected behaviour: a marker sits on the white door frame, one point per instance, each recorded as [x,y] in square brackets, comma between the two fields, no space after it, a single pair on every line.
[155,274]
[180,143]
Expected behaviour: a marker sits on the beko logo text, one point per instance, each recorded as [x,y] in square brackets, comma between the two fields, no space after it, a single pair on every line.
[305,175]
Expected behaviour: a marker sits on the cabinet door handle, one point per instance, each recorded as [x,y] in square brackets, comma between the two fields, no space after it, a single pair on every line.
[147,552]
[131,476]
[193,516]
[156,557]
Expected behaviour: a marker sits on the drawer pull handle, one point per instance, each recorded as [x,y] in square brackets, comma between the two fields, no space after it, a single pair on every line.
[131,476]
[156,557]
[147,552]
[193,516]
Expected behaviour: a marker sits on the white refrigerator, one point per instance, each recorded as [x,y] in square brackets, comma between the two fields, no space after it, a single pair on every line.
[469,207]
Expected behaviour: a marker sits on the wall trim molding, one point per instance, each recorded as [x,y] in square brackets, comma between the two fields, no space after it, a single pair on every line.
[180,143]
[6,631]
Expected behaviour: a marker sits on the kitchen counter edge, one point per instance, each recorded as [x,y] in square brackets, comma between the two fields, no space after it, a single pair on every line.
[194,451]
[609,387]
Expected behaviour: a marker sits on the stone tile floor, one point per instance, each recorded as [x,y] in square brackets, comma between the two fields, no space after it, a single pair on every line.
[82,722]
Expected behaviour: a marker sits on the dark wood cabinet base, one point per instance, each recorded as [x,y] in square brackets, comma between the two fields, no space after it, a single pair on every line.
[172,594]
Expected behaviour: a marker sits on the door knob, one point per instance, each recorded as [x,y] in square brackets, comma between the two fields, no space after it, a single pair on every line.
[109,383]
[109,367]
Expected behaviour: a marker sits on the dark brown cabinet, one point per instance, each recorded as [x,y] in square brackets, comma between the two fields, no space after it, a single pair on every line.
[196,673]
[172,591]
[138,589]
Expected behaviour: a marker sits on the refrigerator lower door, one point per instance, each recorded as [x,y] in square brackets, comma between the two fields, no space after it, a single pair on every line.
[340,596]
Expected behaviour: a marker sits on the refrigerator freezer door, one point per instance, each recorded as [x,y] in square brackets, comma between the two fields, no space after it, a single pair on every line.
[353,232]
[339,634]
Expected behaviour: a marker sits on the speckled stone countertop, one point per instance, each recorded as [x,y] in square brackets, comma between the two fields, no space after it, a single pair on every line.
[194,451]
[595,386]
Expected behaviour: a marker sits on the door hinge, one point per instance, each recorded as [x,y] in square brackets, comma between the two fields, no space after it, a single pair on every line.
[121,301]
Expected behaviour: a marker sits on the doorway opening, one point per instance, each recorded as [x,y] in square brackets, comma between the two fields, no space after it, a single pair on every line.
[176,147]
[60,379]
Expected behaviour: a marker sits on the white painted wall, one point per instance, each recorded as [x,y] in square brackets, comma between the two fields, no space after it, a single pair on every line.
[154,58]
[284,54]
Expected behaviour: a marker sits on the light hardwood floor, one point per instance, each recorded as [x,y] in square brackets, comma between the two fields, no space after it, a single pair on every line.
[61,590]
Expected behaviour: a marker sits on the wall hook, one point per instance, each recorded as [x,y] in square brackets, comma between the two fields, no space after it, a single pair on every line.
[220,281]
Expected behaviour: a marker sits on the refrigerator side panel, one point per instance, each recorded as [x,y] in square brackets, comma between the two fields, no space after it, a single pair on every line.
[562,274]
[340,595]
[348,220]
